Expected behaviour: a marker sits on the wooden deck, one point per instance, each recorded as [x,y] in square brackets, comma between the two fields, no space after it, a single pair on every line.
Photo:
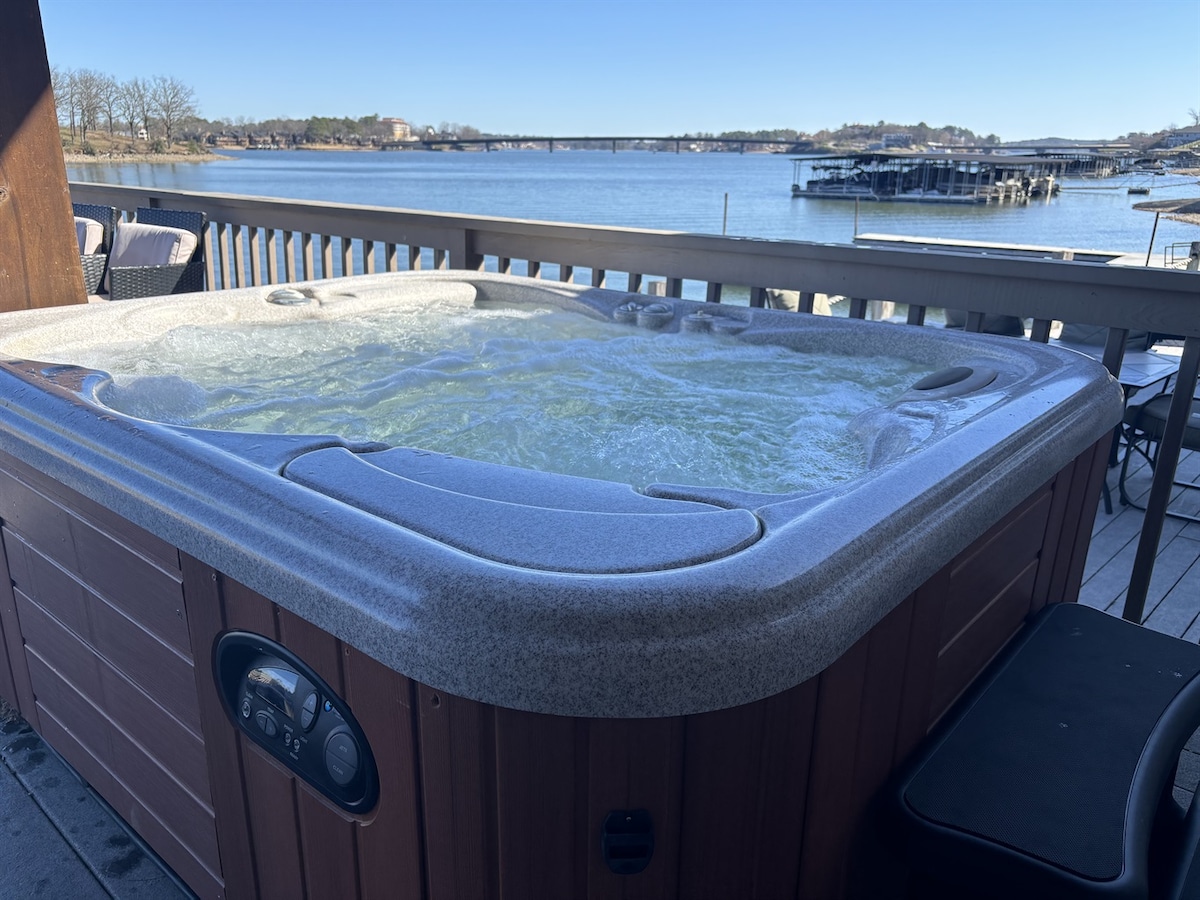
[1173,604]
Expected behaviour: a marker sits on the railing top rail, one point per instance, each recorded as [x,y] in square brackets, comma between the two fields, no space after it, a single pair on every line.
[1136,298]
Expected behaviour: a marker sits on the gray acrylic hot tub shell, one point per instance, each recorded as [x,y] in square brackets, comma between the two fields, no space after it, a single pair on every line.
[511,587]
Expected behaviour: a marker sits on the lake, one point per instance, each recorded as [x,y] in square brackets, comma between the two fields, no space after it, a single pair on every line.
[676,192]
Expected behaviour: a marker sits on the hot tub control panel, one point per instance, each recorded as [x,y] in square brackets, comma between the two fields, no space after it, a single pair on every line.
[289,710]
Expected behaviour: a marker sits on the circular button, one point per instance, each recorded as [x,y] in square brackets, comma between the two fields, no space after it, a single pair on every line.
[341,757]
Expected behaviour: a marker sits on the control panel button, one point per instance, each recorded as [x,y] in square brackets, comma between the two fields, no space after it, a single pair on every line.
[308,712]
[341,757]
[245,707]
[267,724]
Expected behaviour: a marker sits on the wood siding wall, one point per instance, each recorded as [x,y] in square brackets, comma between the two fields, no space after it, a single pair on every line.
[770,799]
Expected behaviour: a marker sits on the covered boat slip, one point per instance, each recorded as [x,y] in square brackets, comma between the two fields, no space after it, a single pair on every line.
[925,177]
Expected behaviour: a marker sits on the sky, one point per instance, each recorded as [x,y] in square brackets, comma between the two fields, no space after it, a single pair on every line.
[1021,69]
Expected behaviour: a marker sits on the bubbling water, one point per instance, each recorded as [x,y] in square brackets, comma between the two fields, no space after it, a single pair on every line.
[534,388]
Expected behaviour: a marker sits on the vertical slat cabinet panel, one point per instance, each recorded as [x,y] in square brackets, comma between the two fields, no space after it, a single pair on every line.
[326,834]
[389,842]
[635,764]
[879,720]
[746,765]
[541,826]
[920,675]
[270,798]
[202,597]
[11,650]
[458,790]
[829,824]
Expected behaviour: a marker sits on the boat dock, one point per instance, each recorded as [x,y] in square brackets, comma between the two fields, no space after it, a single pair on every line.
[926,177]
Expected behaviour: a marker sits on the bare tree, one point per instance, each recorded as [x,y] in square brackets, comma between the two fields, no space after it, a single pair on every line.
[109,96]
[172,101]
[1194,113]
[58,86]
[87,100]
[132,104]
[62,82]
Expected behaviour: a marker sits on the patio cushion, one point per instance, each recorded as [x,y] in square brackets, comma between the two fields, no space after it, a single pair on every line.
[150,245]
[90,234]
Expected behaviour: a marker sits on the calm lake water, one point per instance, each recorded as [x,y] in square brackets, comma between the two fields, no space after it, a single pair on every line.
[684,192]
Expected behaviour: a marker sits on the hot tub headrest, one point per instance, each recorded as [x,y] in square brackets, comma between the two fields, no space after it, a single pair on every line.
[530,519]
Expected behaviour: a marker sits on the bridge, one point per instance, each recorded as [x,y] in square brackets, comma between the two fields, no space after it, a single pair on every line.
[453,143]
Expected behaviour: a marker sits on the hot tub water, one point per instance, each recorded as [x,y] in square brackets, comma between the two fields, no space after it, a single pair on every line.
[529,387]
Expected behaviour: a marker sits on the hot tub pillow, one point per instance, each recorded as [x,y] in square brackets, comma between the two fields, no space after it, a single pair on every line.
[149,245]
[90,234]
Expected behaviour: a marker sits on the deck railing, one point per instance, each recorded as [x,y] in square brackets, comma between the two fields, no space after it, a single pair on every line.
[255,241]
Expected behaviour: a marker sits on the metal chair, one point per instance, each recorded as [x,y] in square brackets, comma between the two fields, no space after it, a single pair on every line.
[1143,430]
[95,263]
[126,282]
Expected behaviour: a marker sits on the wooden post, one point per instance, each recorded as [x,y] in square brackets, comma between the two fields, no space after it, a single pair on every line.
[39,253]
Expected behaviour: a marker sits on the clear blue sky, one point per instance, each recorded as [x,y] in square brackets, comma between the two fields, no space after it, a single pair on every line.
[1018,68]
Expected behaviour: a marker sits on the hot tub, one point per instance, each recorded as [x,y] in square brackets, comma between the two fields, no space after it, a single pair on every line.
[529,651]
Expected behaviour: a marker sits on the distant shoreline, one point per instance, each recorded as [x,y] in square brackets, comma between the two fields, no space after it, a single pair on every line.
[78,159]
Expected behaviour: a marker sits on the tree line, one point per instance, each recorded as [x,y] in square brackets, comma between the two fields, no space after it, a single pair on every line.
[89,101]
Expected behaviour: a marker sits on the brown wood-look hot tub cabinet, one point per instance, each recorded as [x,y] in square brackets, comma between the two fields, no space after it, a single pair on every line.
[107,637]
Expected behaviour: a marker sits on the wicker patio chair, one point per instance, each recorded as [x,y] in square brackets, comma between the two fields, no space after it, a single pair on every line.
[95,263]
[126,282]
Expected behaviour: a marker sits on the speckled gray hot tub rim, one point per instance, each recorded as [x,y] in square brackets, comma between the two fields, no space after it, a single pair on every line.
[700,636]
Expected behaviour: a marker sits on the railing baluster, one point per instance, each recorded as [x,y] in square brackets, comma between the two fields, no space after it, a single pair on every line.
[391,258]
[712,292]
[566,273]
[347,256]
[441,259]
[272,257]
[326,256]
[504,265]
[414,258]
[974,322]
[223,240]
[256,278]
[675,287]
[239,256]
[1040,331]
[306,249]
[368,257]
[808,300]
[209,273]
[598,277]
[758,297]
[289,255]
[916,314]
[634,285]
[858,308]
[534,270]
